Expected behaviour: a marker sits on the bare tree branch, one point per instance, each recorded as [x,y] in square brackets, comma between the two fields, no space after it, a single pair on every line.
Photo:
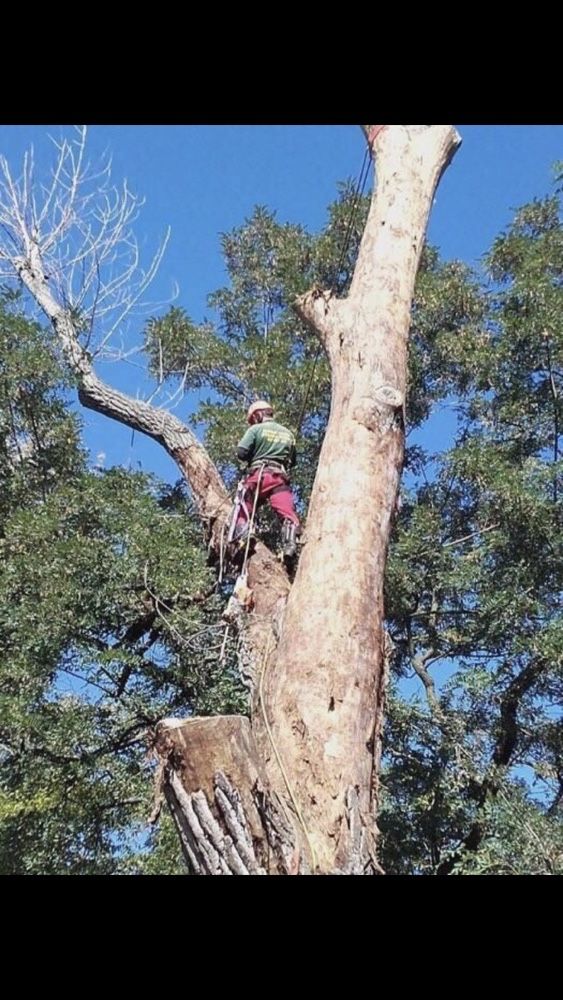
[71,243]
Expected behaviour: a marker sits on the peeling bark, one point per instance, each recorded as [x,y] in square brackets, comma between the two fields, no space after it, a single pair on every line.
[228,819]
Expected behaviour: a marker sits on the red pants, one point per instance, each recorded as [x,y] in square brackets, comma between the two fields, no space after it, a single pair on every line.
[273,487]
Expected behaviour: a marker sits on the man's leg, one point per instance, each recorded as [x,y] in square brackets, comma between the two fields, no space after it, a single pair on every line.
[281,499]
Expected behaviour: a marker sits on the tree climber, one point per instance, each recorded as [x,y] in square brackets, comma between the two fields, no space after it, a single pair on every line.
[269,450]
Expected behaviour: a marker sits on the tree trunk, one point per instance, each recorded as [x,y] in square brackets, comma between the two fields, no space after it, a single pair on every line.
[325,694]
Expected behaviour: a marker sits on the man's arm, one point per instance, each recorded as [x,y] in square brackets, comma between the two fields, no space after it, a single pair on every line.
[245,447]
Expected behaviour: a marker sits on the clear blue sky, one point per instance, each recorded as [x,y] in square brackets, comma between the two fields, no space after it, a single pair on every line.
[203,180]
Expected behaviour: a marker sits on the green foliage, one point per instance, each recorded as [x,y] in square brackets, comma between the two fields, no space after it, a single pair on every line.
[108,610]
[108,622]
[475,580]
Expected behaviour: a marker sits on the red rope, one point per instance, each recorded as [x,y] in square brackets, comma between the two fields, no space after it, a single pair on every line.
[373,133]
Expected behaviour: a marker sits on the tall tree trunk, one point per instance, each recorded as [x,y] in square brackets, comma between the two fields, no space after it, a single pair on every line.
[325,693]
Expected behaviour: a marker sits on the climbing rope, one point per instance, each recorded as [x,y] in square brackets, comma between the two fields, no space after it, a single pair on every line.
[357,196]
[221,554]
[251,522]
[223,545]
[295,803]
[242,573]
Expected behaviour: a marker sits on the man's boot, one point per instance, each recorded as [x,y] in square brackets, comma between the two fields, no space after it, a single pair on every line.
[289,538]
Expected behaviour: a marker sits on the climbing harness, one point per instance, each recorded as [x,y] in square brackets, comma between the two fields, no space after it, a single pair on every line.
[269,465]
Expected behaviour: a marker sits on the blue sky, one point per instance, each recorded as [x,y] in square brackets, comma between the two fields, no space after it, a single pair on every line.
[203,180]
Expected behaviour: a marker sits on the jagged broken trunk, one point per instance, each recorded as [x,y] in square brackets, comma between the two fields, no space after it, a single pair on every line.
[296,789]
[214,781]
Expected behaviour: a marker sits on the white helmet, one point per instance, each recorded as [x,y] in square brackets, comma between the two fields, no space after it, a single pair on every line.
[260,404]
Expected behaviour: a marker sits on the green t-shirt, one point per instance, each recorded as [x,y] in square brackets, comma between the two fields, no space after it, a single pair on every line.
[269,441]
